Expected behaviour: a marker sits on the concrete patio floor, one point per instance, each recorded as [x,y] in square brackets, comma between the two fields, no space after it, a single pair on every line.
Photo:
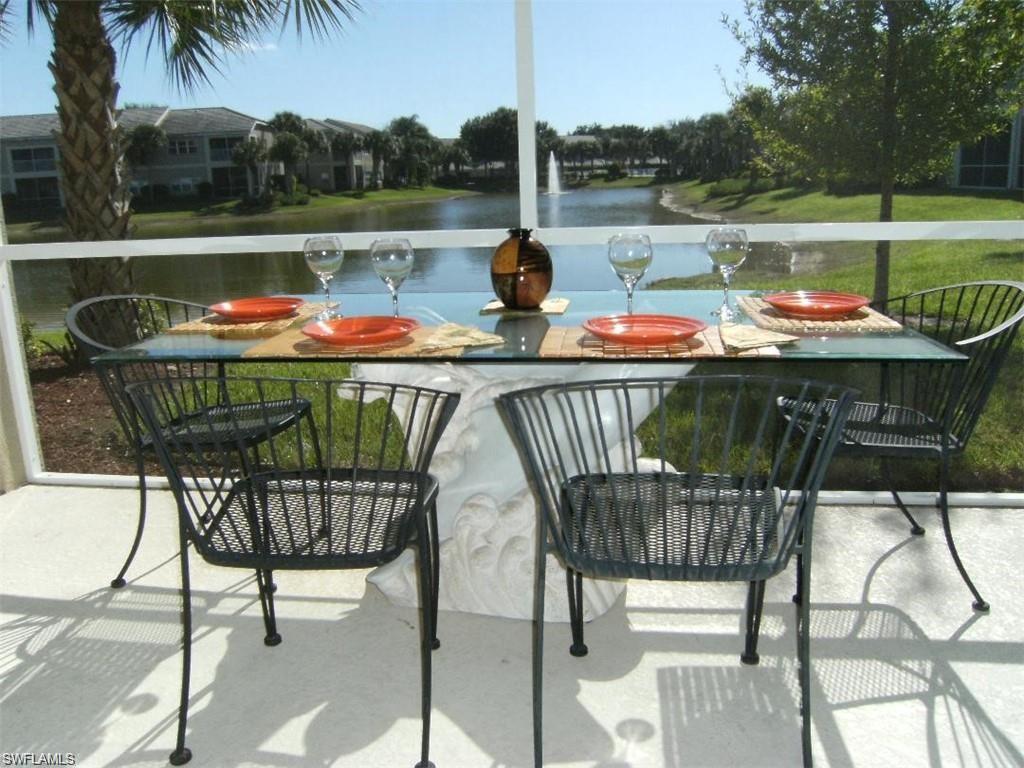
[904,673]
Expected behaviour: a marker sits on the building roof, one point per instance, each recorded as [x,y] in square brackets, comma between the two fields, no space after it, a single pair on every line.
[29,126]
[343,125]
[173,121]
[42,127]
[319,125]
[574,138]
[131,118]
[208,120]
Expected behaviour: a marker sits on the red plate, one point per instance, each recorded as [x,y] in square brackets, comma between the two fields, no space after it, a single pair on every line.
[258,308]
[360,331]
[644,329]
[817,305]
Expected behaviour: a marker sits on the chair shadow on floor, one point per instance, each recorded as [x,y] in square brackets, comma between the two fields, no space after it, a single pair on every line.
[334,687]
[863,654]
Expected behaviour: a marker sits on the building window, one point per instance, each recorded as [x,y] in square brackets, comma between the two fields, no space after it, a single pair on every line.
[33,159]
[230,182]
[986,163]
[182,147]
[220,149]
[182,186]
[41,190]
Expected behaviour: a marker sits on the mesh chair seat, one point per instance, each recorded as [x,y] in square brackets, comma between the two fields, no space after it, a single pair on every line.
[245,423]
[883,428]
[316,519]
[676,526]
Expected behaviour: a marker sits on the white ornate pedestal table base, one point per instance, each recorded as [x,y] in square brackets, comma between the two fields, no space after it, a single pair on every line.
[486,510]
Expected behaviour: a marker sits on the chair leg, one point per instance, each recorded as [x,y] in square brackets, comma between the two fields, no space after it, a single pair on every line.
[574,584]
[915,527]
[538,642]
[755,607]
[427,636]
[118,581]
[181,753]
[803,639]
[435,580]
[798,595]
[265,583]
[979,603]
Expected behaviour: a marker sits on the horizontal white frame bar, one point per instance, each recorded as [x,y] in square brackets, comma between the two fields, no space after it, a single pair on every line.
[489,238]
[83,480]
[829,498]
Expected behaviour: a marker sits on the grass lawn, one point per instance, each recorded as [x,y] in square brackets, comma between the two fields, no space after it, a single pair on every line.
[794,204]
[222,218]
[994,460]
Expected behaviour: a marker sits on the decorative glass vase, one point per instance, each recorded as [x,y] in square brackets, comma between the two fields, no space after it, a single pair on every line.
[521,271]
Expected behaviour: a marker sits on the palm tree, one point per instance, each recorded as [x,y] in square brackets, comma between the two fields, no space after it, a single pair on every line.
[193,37]
[290,150]
[344,145]
[382,146]
[249,154]
[144,141]
[316,144]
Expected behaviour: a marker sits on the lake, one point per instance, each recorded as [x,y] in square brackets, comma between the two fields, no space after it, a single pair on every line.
[43,287]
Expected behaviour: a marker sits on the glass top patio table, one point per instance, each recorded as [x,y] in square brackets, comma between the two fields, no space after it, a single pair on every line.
[524,334]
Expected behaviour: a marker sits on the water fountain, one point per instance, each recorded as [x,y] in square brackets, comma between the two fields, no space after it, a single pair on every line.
[554,184]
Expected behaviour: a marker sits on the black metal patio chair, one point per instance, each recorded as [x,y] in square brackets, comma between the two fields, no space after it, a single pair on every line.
[348,487]
[728,495]
[108,323]
[930,410]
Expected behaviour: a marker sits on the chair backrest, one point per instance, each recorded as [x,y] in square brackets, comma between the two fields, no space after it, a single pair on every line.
[104,323]
[297,436]
[980,319]
[697,477]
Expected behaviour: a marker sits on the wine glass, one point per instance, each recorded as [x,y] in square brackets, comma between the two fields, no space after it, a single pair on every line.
[630,256]
[324,256]
[392,261]
[727,248]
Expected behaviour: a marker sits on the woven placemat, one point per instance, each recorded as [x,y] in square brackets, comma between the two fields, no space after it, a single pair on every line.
[547,307]
[574,341]
[223,328]
[766,316]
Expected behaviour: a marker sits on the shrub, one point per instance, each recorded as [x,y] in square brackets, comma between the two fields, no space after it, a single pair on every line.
[205,190]
[613,172]
[161,193]
[296,198]
[315,192]
[663,174]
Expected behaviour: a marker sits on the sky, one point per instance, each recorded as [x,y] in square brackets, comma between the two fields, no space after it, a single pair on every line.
[645,62]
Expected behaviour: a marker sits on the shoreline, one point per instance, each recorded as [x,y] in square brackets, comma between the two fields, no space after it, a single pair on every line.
[668,200]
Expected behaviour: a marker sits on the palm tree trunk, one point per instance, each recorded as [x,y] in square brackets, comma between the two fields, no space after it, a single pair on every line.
[887,170]
[92,180]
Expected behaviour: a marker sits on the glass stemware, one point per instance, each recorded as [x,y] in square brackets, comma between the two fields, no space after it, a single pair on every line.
[630,256]
[727,248]
[392,261]
[324,256]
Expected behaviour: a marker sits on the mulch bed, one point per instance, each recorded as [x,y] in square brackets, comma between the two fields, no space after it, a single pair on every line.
[77,428]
